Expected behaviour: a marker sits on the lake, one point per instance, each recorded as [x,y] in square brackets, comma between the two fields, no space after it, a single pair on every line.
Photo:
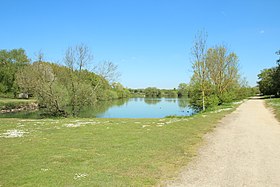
[128,108]
[141,108]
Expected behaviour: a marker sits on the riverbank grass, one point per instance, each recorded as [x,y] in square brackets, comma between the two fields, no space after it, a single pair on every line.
[99,152]
[12,103]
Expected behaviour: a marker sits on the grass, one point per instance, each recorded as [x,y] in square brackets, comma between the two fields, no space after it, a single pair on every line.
[275,104]
[100,152]
[13,103]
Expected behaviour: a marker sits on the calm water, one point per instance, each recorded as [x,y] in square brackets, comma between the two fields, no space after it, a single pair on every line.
[128,108]
[144,108]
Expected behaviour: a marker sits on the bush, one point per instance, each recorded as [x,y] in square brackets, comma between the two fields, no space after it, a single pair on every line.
[212,101]
[227,97]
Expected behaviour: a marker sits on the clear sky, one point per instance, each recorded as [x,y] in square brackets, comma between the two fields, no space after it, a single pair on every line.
[149,40]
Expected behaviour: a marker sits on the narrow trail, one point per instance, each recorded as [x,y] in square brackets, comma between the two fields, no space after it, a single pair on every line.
[244,150]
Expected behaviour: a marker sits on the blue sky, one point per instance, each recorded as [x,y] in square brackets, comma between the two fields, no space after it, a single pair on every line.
[149,40]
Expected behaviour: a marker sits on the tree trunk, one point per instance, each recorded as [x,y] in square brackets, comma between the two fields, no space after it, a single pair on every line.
[203,100]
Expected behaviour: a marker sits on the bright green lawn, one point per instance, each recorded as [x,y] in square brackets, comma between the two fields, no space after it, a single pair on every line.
[99,152]
[275,104]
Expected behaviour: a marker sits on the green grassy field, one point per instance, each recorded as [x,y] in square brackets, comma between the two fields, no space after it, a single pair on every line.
[275,104]
[99,152]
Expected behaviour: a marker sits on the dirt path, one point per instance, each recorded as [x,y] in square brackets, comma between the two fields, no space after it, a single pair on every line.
[243,151]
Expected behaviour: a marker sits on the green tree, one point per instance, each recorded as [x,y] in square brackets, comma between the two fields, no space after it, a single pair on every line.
[183,90]
[276,77]
[215,75]
[266,83]
[10,62]
[121,91]
[41,80]
[222,68]
[152,92]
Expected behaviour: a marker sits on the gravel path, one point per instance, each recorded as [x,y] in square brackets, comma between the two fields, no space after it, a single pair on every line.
[244,150]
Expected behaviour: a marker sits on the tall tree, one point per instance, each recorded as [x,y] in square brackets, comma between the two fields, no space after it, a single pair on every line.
[200,73]
[10,62]
[267,83]
[276,77]
[77,58]
[42,81]
[222,67]
[183,90]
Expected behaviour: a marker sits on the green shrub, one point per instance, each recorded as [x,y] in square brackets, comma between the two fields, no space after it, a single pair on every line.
[227,97]
[212,101]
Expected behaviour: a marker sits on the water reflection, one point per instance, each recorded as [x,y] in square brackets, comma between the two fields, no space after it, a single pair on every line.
[128,108]
[101,107]
[171,100]
[183,103]
[152,101]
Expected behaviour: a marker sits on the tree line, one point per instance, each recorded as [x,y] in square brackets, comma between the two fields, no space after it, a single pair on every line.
[153,92]
[64,89]
[269,79]
[61,90]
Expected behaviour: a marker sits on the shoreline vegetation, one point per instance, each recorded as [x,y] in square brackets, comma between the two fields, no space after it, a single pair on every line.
[17,105]
[62,90]
[101,152]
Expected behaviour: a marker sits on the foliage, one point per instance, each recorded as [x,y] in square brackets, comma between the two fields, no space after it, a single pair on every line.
[269,83]
[216,78]
[41,80]
[10,62]
[266,83]
[152,92]
[183,90]
[120,90]
[57,87]
[222,70]
[136,92]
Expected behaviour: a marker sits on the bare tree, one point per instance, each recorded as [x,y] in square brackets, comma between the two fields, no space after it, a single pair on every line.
[77,59]
[81,91]
[198,52]
[39,56]
[108,70]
